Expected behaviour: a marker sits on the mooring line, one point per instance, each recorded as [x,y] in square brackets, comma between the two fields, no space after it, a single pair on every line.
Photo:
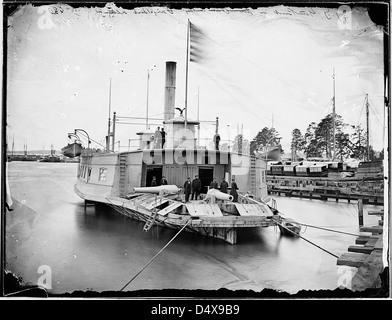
[337,231]
[156,254]
[307,240]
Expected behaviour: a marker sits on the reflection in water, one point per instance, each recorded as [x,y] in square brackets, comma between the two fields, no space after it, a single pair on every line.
[96,248]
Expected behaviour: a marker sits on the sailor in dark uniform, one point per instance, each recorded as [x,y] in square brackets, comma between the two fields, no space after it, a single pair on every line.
[233,190]
[187,189]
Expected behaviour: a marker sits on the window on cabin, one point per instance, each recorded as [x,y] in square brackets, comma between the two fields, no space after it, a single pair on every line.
[102,174]
[89,173]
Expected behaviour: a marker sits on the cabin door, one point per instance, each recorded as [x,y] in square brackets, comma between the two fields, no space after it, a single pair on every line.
[155,171]
[206,175]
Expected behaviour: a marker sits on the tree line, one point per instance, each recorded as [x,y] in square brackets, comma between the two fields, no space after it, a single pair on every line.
[318,140]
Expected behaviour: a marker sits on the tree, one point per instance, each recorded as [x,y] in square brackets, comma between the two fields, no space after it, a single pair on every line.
[319,138]
[358,140]
[344,146]
[311,142]
[297,142]
[267,137]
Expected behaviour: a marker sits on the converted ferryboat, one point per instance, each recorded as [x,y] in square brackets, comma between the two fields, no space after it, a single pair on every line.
[123,179]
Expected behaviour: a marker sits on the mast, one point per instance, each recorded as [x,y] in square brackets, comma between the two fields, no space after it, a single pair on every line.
[148,80]
[186,75]
[333,115]
[110,103]
[114,130]
[198,106]
[367,129]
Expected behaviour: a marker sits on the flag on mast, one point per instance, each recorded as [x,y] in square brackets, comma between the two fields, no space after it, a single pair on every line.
[197,39]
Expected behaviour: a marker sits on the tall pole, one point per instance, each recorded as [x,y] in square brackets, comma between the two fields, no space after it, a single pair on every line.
[114,130]
[110,105]
[186,75]
[148,80]
[198,115]
[333,115]
[367,129]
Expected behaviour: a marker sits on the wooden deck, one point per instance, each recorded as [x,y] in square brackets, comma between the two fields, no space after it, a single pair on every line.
[366,255]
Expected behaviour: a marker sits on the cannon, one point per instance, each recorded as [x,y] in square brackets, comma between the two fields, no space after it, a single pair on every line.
[171,188]
[218,195]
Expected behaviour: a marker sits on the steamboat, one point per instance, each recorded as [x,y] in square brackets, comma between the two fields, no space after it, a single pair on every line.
[123,180]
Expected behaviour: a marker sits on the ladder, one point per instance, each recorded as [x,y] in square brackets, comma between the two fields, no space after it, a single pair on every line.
[150,221]
[123,172]
[252,173]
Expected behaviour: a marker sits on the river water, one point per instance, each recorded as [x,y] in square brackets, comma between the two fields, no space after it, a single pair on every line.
[50,233]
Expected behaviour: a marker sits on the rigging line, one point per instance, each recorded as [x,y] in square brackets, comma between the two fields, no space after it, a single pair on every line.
[337,231]
[375,115]
[325,250]
[360,115]
[93,140]
[185,225]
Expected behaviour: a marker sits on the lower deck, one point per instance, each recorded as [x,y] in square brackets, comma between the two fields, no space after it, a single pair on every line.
[218,219]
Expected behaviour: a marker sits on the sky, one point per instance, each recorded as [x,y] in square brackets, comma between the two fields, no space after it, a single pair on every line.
[264,67]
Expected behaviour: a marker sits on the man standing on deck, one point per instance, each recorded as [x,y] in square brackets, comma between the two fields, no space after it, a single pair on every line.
[163,181]
[223,186]
[196,186]
[187,189]
[233,190]
[158,138]
[154,182]
[163,136]
[214,184]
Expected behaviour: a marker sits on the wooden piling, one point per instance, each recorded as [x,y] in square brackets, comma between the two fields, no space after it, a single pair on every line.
[360,212]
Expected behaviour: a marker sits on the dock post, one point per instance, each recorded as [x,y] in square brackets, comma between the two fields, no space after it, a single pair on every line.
[360,212]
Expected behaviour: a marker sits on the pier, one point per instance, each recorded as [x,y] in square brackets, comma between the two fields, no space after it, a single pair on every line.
[369,190]
[366,256]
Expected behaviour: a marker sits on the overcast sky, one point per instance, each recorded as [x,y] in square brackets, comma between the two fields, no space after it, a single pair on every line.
[266,66]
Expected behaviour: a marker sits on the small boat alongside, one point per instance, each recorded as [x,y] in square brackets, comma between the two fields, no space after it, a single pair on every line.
[289,227]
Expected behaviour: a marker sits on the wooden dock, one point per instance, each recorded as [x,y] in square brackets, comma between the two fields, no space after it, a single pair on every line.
[366,255]
[370,190]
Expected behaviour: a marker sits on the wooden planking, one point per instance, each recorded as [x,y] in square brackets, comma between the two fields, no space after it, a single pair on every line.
[156,203]
[371,242]
[169,208]
[368,275]
[361,249]
[376,213]
[216,210]
[249,209]
[204,209]
[352,259]
[379,244]
[194,210]
[362,239]
[373,229]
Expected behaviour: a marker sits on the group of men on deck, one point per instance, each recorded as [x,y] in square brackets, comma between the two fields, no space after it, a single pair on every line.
[192,189]
[159,138]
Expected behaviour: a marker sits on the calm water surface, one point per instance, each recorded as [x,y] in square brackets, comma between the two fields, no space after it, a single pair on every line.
[98,249]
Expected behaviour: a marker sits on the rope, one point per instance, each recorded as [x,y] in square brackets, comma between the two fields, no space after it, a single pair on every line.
[308,225]
[156,254]
[279,224]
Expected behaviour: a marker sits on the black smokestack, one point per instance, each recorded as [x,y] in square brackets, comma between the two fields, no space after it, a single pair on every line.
[170,89]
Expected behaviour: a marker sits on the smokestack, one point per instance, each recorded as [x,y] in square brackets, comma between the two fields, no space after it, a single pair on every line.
[170,89]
